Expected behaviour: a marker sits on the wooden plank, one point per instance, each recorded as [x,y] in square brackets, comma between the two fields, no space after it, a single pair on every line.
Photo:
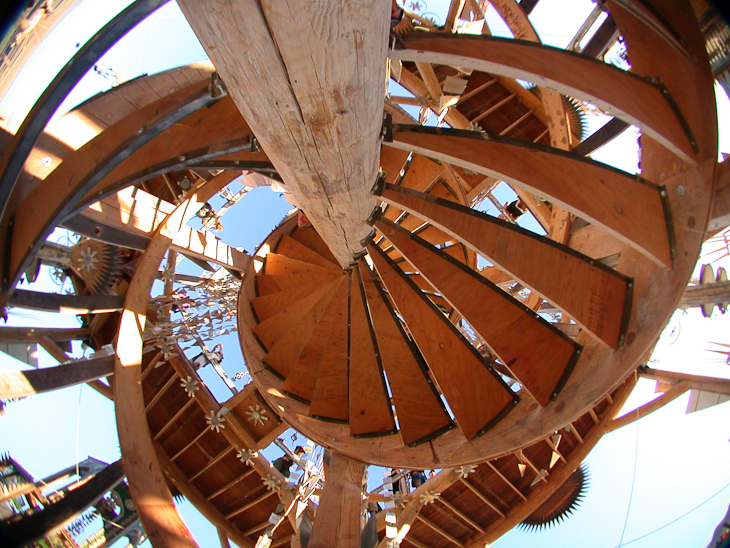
[421,414]
[18,384]
[627,207]
[451,538]
[265,285]
[327,91]
[596,243]
[330,397]
[72,303]
[275,327]
[283,354]
[540,357]
[551,269]
[475,394]
[370,411]
[303,375]
[272,304]
[207,247]
[616,92]
[281,264]
[290,247]
[310,238]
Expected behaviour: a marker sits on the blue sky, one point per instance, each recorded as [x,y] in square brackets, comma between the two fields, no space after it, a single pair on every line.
[676,461]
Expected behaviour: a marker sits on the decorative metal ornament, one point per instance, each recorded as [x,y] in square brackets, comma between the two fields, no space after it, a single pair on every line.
[246,456]
[215,421]
[168,274]
[190,385]
[429,497]
[256,414]
[466,469]
[86,260]
[271,483]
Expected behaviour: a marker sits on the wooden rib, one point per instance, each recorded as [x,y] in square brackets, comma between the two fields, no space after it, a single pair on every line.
[421,414]
[330,397]
[493,108]
[190,444]
[617,92]
[296,250]
[272,329]
[174,418]
[161,392]
[282,354]
[370,412]
[508,482]
[551,269]
[231,483]
[482,497]
[476,395]
[303,375]
[627,207]
[440,531]
[212,463]
[256,528]
[272,304]
[250,504]
[460,514]
[280,264]
[151,365]
[310,238]
[540,356]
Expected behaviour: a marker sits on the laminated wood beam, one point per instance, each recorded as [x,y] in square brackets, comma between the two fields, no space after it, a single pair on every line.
[18,384]
[629,208]
[616,92]
[328,92]
[551,269]
[540,357]
[474,392]
[370,411]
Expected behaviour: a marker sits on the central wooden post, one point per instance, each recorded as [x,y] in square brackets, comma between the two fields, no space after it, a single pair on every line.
[311,86]
[337,524]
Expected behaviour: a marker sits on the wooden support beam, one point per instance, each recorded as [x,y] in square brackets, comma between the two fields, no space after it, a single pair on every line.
[18,384]
[459,513]
[161,392]
[328,93]
[483,498]
[173,420]
[338,518]
[448,536]
[68,304]
[508,482]
[250,504]
[697,382]
[720,215]
[33,334]
[215,460]
[617,92]
[640,412]
[231,483]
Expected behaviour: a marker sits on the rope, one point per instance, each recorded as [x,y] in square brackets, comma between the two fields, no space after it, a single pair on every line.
[633,476]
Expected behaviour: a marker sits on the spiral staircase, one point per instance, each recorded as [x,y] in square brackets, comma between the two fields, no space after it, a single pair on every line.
[405,328]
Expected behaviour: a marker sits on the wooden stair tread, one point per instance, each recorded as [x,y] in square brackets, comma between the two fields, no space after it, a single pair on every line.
[272,304]
[302,377]
[629,208]
[330,396]
[296,250]
[421,413]
[539,356]
[310,238]
[474,392]
[551,269]
[272,329]
[266,285]
[281,264]
[370,411]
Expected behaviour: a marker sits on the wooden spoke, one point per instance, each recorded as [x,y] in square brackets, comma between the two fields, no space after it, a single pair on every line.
[370,411]
[551,269]
[473,391]
[286,350]
[277,326]
[625,206]
[421,414]
[622,94]
[290,247]
[330,397]
[303,375]
[540,356]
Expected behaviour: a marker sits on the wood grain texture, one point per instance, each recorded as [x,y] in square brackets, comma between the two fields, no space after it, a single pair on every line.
[290,247]
[629,209]
[546,267]
[420,411]
[616,92]
[536,353]
[370,412]
[327,92]
[475,395]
